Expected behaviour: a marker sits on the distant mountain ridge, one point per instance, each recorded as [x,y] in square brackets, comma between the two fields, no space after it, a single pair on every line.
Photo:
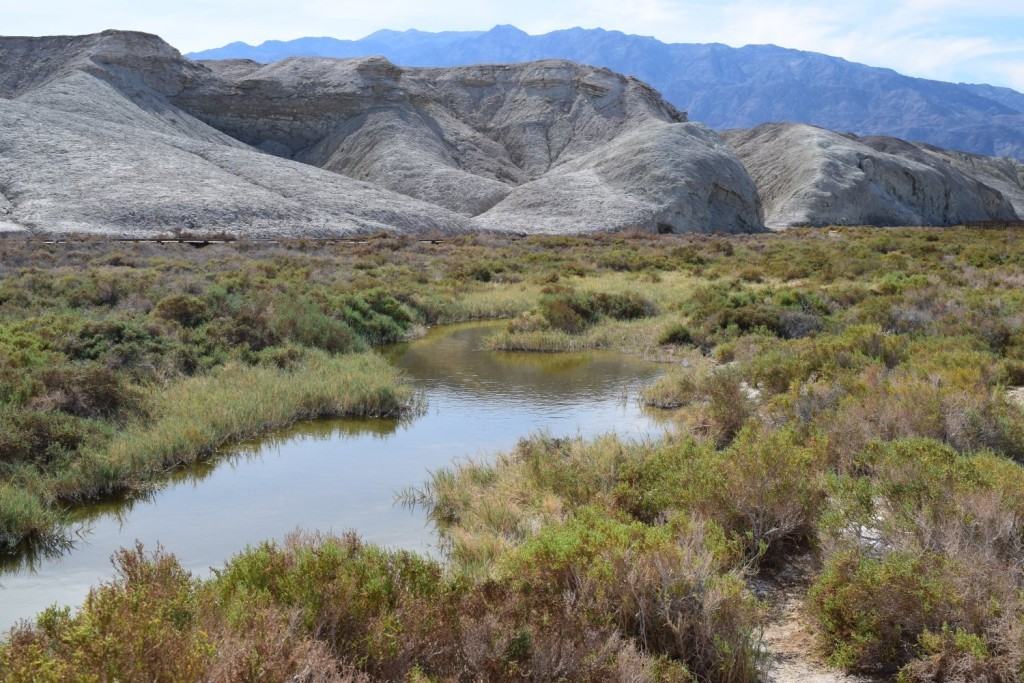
[721,86]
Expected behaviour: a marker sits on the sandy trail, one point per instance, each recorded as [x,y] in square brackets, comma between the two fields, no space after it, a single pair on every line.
[788,639]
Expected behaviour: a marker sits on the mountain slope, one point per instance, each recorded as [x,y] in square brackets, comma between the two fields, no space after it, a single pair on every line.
[90,141]
[721,86]
[117,133]
[809,176]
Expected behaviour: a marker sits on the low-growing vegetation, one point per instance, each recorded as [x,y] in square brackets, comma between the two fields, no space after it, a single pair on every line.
[841,401]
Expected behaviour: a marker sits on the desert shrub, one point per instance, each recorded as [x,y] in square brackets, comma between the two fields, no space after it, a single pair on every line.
[922,556]
[396,615]
[184,309]
[667,592]
[284,357]
[573,312]
[567,313]
[710,300]
[777,366]
[100,287]
[481,273]
[770,492]
[302,322]
[140,626]
[675,334]
[906,403]
[798,324]
[728,406]
[956,655]
[42,437]
[630,260]
[85,390]
[250,325]
[808,301]
[687,255]
[622,305]
[654,485]
[377,317]
[118,343]
[873,610]
[376,607]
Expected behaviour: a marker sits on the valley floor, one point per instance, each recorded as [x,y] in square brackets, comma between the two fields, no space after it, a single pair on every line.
[840,496]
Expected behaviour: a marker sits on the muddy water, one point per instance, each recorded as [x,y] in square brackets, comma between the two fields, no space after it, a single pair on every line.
[341,475]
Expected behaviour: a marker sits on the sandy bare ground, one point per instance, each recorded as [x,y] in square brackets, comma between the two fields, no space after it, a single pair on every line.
[790,648]
[788,641]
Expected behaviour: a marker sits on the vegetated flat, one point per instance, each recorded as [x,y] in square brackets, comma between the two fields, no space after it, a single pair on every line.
[843,425]
[343,474]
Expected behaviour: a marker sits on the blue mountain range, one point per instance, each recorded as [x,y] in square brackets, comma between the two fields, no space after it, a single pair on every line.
[722,86]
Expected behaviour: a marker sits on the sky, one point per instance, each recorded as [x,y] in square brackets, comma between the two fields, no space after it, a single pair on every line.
[979,41]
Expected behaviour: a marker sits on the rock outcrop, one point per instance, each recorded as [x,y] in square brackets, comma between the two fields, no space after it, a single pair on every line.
[73,173]
[626,179]
[117,133]
[1000,173]
[809,176]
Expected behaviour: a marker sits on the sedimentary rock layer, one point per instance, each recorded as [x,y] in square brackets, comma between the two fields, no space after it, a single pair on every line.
[117,133]
[811,176]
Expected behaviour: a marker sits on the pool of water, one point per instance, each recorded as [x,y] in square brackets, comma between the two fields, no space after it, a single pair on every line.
[341,475]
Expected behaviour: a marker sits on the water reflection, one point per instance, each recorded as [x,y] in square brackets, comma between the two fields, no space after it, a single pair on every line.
[338,475]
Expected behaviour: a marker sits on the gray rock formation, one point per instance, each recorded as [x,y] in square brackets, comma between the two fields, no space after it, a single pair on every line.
[460,138]
[117,133]
[625,183]
[6,224]
[1000,173]
[90,142]
[73,173]
[811,176]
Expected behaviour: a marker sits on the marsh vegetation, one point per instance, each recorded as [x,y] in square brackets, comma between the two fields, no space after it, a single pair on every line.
[840,395]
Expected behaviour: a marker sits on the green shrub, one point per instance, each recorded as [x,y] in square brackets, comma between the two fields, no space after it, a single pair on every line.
[573,312]
[769,491]
[184,309]
[118,343]
[729,407]
[622,305]
[363,600]
[302,322]
[872,611]
[675,334]
[86,390]
[141,626]
[662,590]
[377,317]
[43,438]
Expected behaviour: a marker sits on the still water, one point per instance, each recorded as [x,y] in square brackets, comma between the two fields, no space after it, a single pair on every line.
[341,475]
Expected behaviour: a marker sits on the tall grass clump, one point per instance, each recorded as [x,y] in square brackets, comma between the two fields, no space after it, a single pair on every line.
[193,419]
[196,417]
